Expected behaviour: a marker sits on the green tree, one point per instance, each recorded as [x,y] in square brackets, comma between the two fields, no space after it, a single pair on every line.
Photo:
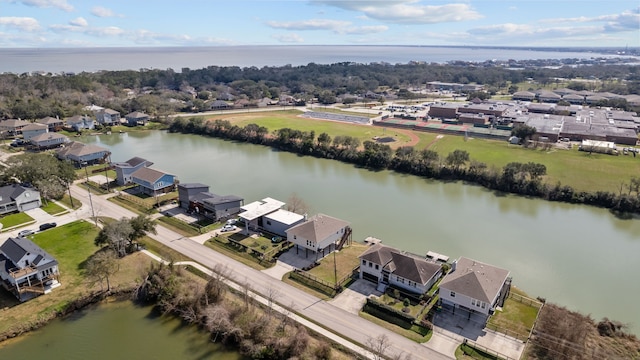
[523,132]
[101,266]
[457,158]
[116,235]
[141,225]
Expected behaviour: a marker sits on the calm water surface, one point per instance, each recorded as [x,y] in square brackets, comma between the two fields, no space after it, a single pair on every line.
[115,331]
[577,256]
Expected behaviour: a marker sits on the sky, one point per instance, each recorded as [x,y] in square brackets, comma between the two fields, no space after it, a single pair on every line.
[134,23]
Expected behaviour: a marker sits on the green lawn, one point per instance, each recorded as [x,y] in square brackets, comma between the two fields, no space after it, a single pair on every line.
[274,120]
[515,317]
[71,203]
[346,260]
[53,209]
[16,219]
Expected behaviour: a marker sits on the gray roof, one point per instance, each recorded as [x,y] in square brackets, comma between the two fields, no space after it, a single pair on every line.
[405,265]
[192,185]
[49,120]
[318,227]
[135,161]
[47,136]
[220,199]
[10,192]
[148,174]
[34,126]
[475,279]
[16,248]
[136,115]
[78,149]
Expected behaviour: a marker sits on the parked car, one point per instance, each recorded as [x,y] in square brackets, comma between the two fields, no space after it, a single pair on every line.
[24,233]
[232,221]
[228,227]
[46,226]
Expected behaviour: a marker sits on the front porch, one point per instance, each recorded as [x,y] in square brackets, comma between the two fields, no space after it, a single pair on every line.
[26,285]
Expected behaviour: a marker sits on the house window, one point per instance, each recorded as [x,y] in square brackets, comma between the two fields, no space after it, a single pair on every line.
[364,262]
[370,264]
[268,222]
[452,294]
[376,266]
[473,302]
[484,305]
[294,237]
[400,280]
[477,303]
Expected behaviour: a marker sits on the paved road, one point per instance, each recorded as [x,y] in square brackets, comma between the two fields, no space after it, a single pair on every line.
[340,321]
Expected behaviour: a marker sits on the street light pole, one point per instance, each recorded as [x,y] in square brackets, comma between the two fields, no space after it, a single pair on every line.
[93,214]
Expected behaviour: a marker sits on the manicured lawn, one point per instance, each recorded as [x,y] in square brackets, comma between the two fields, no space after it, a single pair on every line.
[414,310]
[346,260]
[275,120]
[223,246]
[467,352]
[66,200]
[15,220]
[52,208]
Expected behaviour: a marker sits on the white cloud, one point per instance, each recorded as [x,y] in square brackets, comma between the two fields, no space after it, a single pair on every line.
[628,20]
[79,22]
[20,23]
[336,26]
[91,31]
[103,12]
[407,11]
[288,38]
[59,4]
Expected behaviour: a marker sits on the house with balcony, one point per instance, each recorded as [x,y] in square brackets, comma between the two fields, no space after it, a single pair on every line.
[83,154]
[80,122]
[13,127]
[54,124]
[475,286]
[48,140]
[18,198]
[319,235]
[26,270]
[137,118]
[196,197]
[124,170]
[387,266]
[33,129]
[153,182]
[108,117]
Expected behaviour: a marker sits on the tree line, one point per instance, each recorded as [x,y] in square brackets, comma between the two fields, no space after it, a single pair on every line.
[516,178]
[160,92]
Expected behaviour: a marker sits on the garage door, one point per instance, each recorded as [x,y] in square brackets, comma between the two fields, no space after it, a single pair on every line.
[29,205]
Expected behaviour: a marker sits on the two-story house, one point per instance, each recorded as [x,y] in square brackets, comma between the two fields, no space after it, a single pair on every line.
[153,182]
[33,129]
[321,234]
[125,169]
[18,198]
[387,266]
[83,154]
[27,270]
[475,286]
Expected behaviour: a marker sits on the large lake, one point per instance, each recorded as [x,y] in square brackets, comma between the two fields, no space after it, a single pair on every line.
[578,256]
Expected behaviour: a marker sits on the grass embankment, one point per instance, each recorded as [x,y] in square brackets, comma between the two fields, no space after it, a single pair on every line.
[54,209]
[584,172]
[71,245]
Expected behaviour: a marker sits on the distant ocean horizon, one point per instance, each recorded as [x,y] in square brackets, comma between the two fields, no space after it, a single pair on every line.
[57,60]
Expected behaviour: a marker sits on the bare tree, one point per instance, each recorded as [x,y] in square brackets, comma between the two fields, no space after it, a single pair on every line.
[297,205]
[272,295]
[379,346]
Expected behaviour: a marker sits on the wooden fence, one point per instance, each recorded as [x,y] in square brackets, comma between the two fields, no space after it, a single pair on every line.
[486,350]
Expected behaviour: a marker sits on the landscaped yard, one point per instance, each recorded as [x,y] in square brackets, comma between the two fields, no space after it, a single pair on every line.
[16,219]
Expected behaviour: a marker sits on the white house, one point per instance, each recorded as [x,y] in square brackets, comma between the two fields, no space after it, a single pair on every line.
[48,140]
[27,270]
[385,266]
[253,213]
[321,234]
[33,130]
[18,198]
[475,286]
[280,220]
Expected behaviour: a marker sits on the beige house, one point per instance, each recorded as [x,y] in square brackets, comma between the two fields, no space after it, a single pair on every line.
[475,286]
[321,234]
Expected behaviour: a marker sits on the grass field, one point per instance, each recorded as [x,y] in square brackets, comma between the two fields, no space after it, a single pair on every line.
[595,172]
[53,209]
[16,219]
[71,245]
[274,120]
[346,260]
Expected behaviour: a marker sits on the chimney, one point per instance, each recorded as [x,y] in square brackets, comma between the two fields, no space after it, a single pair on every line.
[453,265]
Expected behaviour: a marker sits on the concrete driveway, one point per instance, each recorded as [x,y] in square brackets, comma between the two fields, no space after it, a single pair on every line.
[352,299]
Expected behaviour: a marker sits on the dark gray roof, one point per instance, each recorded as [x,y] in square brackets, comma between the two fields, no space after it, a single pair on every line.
[405,265]
[148,174]
[135,161]
[192,185]
[318,227]
[16,248]
[10,192]
[377,254]
[475,279]
[221,199]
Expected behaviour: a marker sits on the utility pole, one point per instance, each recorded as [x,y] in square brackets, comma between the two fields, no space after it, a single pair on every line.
[93,214]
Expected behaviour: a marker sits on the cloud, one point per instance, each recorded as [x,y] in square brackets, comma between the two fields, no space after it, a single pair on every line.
[20,23]
[59,4]
[91,31]
[288,38]
[78,22]
[406,11]
[336,26]
[103,12]
[628,20]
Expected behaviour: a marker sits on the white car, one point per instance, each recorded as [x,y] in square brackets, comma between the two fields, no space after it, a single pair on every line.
[228,228]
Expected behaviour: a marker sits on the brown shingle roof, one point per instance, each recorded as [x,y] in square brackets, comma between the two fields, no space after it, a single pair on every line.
[475,279]
[147,174]
[318,227]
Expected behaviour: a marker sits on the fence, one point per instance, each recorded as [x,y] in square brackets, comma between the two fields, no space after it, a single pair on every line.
[323,283]
[525,300]
[472,344]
